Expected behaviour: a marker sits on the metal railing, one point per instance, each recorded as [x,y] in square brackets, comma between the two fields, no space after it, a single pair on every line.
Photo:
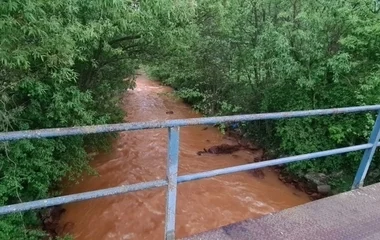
[173,151]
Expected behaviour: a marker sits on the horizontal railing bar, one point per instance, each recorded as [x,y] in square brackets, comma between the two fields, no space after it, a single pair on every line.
[59,132]
[20,207]
[160,183]
[279,161]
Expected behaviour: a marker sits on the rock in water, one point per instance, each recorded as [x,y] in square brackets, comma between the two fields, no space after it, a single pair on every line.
[317,178]
[258,173]
[324,189]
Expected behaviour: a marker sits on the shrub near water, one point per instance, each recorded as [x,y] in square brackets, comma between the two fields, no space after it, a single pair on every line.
[62,63]
[276,55]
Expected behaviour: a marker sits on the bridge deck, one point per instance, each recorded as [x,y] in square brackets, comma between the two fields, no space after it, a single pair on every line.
[353,215]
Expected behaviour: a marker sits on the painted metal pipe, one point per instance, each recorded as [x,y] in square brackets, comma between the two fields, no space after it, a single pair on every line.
[58,132]
[20,207]
[368,155]
[173,151]
[185,178]
[251,166]
[171,175]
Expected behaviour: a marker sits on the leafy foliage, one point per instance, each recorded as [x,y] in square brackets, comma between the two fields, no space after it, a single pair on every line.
[65,63]
[274,55]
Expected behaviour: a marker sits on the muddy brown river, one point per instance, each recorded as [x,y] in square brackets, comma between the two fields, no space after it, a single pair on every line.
[141,156]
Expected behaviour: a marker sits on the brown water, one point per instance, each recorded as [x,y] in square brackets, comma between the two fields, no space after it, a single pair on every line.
[141,156]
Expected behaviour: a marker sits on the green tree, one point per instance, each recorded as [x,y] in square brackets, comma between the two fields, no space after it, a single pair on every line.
[66,63]
[275,55]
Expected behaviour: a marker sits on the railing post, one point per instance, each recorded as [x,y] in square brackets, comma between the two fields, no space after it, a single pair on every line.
[368,155]
[171,175]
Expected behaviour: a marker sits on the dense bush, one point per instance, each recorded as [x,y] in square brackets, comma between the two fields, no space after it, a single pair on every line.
[275,55]
[65,63]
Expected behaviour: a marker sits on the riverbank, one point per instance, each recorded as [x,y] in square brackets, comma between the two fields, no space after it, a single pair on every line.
[290,180]
[309,185]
